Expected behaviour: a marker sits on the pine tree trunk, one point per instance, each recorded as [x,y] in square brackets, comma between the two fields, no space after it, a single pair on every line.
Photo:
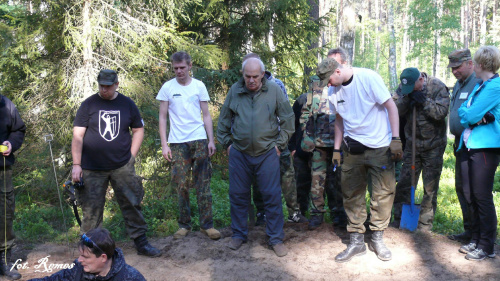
[393,76]
[87,66]
[348,32]
[483,7]
[404,47]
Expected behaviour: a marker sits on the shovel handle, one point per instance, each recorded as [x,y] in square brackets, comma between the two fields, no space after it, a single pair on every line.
[412,206]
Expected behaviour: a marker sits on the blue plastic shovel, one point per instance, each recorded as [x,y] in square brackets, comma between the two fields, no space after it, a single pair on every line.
[411,213]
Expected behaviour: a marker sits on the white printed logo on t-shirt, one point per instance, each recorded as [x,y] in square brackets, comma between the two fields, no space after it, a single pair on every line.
[109,124]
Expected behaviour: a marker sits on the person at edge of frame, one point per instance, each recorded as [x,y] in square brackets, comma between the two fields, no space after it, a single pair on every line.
[12,131]
[99,259]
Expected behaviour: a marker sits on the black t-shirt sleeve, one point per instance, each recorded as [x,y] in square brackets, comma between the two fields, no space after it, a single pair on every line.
[82,116]
[136,116]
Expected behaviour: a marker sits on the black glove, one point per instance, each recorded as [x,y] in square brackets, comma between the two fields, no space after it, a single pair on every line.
[488,118]
[417,98]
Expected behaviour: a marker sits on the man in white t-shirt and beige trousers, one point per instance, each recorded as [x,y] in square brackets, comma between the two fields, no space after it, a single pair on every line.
[187,147]
[367,127]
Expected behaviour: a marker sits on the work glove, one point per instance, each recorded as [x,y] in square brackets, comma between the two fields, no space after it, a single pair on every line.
[396,148]
[417,98]
[337,158]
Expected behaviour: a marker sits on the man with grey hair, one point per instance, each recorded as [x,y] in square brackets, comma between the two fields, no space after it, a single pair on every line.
[287,173]
[254,140]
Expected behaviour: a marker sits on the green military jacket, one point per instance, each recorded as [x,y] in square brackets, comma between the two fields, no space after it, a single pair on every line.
[431,117]
[316,120]
[254,124]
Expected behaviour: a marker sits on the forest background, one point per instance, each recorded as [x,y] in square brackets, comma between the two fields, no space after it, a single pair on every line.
[52,51]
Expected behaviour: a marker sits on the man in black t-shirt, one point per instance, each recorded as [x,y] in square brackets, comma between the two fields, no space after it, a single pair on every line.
[104,152]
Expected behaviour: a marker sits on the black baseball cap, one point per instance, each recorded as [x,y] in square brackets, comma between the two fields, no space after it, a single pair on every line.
[107,77]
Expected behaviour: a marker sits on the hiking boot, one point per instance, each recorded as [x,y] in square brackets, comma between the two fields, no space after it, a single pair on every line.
[356,247]
[297,217]
[467,248]
[144,248]
[462,237]
[6,268]
[280,250]
[235,243]
[315,221]
[260,219]
[378,246]
[340,220]
[478,255]
[212,233]
[181,233]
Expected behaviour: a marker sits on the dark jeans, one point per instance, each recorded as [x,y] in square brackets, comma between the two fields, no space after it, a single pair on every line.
[128,192]
[7,218]
[287,176]
[478,174]
[266,169]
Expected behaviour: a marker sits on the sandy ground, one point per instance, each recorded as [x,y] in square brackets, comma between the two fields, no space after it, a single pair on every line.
[417,256]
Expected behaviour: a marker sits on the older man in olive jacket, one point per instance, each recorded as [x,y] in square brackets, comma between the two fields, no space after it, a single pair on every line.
[254,140]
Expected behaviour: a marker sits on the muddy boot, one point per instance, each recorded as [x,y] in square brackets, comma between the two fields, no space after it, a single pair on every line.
[144,248]
[377,245]
[356,247]
[6,267]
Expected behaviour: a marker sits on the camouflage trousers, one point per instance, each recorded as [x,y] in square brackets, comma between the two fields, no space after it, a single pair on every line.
[430,163]
[192,157]
[8,204]
[377,165]
[325,181]
[128,191]
[288,188]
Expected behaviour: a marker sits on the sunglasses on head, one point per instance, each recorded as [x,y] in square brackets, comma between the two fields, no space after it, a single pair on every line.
[89,243]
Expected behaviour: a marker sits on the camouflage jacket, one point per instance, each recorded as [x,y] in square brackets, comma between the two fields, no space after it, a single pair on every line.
[431,117]
[317,121]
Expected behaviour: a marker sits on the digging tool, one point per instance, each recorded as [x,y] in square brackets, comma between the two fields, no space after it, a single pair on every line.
[411,212]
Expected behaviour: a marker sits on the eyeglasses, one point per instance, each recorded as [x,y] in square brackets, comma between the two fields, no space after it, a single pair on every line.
[89,243]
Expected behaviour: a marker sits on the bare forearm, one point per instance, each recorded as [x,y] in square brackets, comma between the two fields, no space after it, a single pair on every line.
[392,113]
[137,138]
[339,131]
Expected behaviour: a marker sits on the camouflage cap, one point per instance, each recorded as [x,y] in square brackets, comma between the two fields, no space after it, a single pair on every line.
[457,57]
[408,78]
[107,77]
[325,70]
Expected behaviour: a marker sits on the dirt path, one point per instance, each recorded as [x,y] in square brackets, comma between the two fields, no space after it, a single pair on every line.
[416,256]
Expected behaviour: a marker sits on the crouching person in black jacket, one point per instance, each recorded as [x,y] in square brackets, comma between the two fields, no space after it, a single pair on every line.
[99,260]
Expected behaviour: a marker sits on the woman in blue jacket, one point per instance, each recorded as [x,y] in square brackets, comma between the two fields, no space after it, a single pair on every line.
[479,144]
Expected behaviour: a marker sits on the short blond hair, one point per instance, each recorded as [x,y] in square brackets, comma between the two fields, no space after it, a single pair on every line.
[488,57]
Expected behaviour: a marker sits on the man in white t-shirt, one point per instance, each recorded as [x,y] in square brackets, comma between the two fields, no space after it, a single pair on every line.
[187,147]
[367,124]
